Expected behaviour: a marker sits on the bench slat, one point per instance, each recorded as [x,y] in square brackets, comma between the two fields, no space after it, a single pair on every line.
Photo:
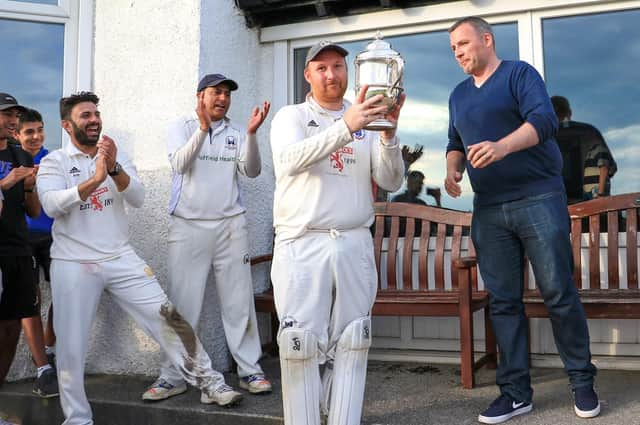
[576,241]
[632,241]
[456,246]
[439,257]
[407,254]
[392,252]
[594,251]
[612,249]
[423,256]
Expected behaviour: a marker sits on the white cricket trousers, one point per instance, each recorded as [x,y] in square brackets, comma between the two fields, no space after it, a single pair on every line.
[195,246]
[322,281]
[76,290]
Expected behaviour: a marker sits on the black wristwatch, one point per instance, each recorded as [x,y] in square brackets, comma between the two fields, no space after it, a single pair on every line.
[116,169]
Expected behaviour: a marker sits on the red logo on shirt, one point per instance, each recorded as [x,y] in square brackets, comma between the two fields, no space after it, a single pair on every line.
[337,160]
[94,199]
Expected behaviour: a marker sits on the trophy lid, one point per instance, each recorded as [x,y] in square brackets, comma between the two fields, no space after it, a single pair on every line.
[377,49]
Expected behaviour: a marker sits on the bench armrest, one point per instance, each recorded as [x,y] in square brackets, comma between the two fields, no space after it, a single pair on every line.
[465,262]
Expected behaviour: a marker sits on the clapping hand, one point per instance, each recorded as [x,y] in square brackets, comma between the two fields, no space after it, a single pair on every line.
[257,117]
[107,149]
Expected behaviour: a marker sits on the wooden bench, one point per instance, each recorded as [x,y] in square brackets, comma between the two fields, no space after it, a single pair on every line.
[413,282]
[607,291]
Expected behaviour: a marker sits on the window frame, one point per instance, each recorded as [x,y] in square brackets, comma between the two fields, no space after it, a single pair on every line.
[527,13]
[77,16]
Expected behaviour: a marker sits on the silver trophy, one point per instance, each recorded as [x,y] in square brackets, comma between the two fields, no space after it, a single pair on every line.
[381,68]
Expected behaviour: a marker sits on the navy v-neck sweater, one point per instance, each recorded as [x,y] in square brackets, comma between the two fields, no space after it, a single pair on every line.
[512,95]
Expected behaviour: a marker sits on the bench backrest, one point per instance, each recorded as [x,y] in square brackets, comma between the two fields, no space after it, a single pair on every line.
[399,223]
[616,216]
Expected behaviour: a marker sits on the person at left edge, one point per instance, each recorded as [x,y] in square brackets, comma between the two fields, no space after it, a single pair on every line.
[17,181]
[84,187]
[208,228]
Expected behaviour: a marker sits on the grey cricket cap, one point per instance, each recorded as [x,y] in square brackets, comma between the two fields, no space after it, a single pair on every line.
[322,46]
[7,102]
[212,80]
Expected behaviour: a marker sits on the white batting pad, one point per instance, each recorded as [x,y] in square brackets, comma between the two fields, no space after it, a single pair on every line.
[300,376]
[349,373]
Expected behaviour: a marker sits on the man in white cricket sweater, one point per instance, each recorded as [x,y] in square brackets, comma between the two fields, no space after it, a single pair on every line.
[208,228]
[84,187]
[323,270]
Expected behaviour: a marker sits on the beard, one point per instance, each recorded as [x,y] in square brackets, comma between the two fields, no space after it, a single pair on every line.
[81,136]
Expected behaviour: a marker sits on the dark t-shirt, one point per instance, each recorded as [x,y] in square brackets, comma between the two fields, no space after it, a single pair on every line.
[576,141]
[408,198]
[14,236]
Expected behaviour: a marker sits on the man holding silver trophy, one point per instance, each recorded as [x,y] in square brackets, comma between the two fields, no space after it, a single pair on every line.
[323,269]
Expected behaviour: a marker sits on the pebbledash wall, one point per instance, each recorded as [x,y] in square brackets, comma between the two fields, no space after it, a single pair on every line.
[147,60]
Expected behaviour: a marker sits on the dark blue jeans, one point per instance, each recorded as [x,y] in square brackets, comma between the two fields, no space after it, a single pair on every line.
[502,234]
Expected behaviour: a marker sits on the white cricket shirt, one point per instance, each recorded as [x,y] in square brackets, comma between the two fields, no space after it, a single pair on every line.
[87,231]
[323,172]
[205,168]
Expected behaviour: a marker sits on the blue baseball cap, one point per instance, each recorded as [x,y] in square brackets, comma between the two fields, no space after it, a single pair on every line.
[212,80]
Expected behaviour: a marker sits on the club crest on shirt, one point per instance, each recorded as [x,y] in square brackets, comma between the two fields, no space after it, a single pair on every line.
[341,158]
[359,135]
[230,142]
[96,202]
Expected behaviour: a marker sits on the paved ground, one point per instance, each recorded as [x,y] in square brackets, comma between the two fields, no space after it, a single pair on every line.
[397,394]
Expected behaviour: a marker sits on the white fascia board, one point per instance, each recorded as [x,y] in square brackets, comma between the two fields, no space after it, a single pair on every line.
[394,31]
[443,12]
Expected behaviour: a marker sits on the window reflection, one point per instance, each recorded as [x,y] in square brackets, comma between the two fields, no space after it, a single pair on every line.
[593,61]
[431,73]
[33,69]
[54,2]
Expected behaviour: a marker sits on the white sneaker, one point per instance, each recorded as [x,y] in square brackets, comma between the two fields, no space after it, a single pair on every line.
[224,395]
[161,390]
[255,384]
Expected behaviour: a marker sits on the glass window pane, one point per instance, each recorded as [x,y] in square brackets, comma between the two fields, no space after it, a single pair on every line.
[593,61]
[33,70]
[431,73]
[54,2]
[301,86]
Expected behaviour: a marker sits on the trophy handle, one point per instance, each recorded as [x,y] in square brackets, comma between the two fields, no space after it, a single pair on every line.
[394,87]
[396,91]
[396,98]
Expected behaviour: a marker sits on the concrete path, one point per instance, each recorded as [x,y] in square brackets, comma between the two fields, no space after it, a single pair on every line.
[397,394]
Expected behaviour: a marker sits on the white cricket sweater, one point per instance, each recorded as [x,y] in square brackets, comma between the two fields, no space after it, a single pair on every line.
[86,231]
[323,172]
[205,168]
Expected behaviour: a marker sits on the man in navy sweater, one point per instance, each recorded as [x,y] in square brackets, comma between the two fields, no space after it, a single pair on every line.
[501,129]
